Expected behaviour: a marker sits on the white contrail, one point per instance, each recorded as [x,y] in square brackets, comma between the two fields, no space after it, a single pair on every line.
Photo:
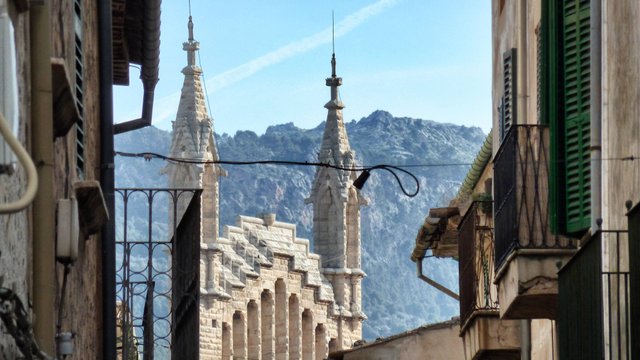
[166,106]
[297,47]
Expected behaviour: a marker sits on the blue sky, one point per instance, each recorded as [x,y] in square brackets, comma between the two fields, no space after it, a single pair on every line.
[265,61]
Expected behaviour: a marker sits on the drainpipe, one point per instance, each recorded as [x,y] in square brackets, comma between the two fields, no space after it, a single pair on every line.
[107,181]
[150,65]
[43,288]
[434,283]
[525,324]
[522,108]
[596,114]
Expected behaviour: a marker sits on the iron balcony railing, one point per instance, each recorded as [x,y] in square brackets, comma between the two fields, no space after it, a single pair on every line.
[146,223]
[521,187]
[476,268]
[593,300]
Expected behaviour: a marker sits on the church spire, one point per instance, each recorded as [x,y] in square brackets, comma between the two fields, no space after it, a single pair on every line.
[336,208]
[193,139]
[193,128]
[335,144]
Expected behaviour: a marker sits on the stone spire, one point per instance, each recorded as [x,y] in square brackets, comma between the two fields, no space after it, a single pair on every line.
[335,144]
[193,139]
[336,210]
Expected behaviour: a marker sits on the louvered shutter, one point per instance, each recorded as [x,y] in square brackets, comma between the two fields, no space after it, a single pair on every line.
[510,92]
[576,60]
[501,117]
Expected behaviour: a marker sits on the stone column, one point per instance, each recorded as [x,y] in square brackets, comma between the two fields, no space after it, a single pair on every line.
[321,343]
[308,335]
[295,328]
[226,341]
[209,280]
[267,325]
[253,330]
[239,336]
[282,317]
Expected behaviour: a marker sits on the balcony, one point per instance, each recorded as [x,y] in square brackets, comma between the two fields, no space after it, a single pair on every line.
[594,302]
[527,254]
[483,333]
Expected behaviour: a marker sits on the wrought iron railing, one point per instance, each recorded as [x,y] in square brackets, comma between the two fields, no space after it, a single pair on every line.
[476,268]
[521,187]
[146,221]
[593,300]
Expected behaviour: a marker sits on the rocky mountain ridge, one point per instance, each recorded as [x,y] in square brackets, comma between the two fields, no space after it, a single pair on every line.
[393,298]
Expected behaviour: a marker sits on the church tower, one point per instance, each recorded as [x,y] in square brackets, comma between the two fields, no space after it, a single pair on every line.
[193,139]
[336,212]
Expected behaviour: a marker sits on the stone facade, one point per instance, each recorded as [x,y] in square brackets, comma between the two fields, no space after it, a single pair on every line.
[263,293]
[53,38]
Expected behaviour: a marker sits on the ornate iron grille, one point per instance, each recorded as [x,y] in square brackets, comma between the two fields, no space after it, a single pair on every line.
[145,229]
[477,291]
[521,187]
[586,288]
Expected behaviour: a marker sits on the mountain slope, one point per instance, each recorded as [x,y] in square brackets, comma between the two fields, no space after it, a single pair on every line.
[393,298]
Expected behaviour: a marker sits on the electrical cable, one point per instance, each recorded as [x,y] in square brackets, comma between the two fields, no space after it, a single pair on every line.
[364,169]
[358,183]
[25,160]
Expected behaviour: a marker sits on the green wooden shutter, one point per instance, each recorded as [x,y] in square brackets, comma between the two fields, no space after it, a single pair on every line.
[550,103]
[576,71]
[509,105]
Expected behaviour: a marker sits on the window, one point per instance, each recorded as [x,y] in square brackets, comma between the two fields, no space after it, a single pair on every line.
[565,105]
[508,104]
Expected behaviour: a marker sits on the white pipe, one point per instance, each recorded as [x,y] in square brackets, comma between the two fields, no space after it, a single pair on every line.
[25,160]
[434,283]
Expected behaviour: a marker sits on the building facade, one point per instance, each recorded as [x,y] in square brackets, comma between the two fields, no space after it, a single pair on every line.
[562,181]
[262,293]
[56,172]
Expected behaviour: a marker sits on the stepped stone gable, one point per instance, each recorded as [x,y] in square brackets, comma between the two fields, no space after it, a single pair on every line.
[263,293]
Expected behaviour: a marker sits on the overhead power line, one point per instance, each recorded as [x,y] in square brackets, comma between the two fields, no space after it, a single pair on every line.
[359,183]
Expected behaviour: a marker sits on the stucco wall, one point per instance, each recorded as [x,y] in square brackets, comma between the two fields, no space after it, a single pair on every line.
[620,109]
[542,340]
[437,341]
